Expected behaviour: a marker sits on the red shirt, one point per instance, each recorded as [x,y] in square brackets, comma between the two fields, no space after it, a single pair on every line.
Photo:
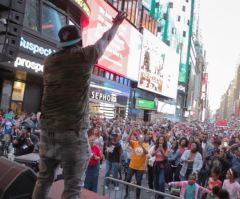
[214,183]
[95,151]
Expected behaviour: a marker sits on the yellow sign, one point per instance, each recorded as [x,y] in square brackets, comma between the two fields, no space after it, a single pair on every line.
[84,6]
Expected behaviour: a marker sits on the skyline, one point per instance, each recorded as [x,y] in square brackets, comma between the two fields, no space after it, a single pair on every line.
[220,36]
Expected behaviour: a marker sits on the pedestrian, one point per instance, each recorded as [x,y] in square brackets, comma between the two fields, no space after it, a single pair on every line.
[113,158]
[161,158]
[183,146]
[174,160]
[150,163]
[192,161]
[223,194]
[231,184]
[189,189]
[214,182]
[65,117]
[138,161]
[92,172]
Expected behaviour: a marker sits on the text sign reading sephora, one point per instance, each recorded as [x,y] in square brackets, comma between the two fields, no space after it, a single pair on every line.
[104,97]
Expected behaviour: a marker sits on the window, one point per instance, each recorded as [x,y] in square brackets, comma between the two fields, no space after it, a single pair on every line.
[52,21]
[114,77]
[6,94]
[121,80]
[18,91]
[101,72]
[107,75]
[188,22]
[31,17]
[184,33]
[187,1]
[111,77]
[117,78]
[184,8]
[95,70]
[179,18]
[125,82]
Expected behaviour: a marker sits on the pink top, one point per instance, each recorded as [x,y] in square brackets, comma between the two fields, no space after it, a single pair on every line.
[183,185]
[232,188]
[159,157]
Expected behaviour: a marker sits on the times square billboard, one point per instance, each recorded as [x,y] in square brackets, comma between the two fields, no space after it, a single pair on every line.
[122,56]
[159,67]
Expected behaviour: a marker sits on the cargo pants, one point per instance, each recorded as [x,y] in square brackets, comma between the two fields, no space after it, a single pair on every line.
[70,149]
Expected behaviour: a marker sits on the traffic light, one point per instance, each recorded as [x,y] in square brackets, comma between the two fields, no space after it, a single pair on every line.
[11,23]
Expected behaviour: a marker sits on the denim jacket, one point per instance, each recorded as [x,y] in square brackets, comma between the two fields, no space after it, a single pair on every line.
[197,163]
[175,156]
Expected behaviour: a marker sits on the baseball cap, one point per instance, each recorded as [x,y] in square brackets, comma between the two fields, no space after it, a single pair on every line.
[68,35]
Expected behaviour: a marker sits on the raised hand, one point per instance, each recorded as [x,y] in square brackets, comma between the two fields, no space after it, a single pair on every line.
[119,18]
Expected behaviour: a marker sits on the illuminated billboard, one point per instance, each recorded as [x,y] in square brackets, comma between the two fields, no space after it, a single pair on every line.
[159,67]
[145,104]
[123,54]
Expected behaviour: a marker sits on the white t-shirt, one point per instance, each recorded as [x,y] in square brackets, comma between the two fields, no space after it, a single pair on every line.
[232,188]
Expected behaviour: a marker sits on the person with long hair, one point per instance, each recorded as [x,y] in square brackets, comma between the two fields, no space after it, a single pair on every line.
[161,156]
[183,146]
[174,160]
[192,161]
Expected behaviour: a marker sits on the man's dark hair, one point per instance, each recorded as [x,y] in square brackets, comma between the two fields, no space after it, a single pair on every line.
[216,190]
[216,170]
[233,172]
[194,142]
[223,194]
[26,126]
[183,138]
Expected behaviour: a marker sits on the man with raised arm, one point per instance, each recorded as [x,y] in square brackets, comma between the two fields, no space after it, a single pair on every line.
[65,119]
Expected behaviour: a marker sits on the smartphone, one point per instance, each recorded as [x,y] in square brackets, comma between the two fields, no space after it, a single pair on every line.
[225,144]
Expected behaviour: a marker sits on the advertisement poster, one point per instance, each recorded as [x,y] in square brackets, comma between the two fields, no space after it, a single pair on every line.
[123,54]
[159,67]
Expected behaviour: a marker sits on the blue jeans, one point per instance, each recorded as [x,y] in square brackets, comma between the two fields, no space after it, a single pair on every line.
[91,179]
[159,179]
[112,168]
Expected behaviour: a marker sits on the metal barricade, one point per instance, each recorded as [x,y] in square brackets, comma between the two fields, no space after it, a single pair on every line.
[146,193]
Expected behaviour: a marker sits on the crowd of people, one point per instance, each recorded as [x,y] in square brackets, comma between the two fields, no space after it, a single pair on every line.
[192,160]
[19,134]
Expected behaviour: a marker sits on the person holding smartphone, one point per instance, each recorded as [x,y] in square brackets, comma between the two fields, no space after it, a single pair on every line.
[161,153]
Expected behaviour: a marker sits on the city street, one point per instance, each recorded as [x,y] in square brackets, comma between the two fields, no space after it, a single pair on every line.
[151,85]
[113,194]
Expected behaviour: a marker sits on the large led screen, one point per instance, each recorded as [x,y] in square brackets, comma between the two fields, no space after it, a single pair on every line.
[159,67]
[123,54]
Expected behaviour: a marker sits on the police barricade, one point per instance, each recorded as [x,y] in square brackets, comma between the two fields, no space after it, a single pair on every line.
[146,193]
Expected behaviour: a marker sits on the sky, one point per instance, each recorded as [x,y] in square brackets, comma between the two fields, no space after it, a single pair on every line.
[220,30]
